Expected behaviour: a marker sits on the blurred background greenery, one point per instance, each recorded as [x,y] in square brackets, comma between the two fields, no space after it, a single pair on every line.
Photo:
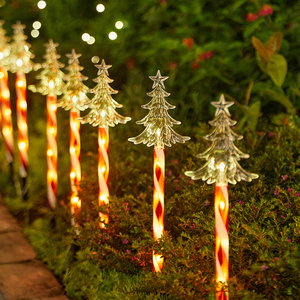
[203,46]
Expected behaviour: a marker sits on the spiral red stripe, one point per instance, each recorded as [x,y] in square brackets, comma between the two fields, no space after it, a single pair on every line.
[222,240]
[51,150]
[158,203]
[22,123]
[7,127]
[75,172]
[103,169]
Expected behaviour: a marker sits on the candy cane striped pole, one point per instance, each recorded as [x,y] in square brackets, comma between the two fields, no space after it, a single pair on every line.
[103,170]
[222,240]
[7,128]
[158,203]
[22,129]
[75,173]
[51,149]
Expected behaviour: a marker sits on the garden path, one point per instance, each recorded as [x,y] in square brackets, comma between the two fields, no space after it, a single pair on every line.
[22,275]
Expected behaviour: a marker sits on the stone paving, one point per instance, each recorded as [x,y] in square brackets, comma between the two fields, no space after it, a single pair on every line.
[22,275]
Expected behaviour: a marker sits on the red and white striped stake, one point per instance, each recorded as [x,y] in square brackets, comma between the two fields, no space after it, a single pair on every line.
[222,240]
[103,170]
[7,127]
[158,203]
[22,127]
[75,173]
[51,148]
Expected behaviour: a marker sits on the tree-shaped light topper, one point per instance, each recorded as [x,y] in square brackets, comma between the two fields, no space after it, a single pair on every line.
[20,63]
[222,167]
[7,128]
[103,114]
[159,133]
[74,99]
[51,84]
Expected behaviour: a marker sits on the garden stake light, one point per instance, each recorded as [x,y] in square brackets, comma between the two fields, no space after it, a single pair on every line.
[222,167]
[7,127]
[74,99]
[51,85]
[20,64]
[103,114]
[158,133]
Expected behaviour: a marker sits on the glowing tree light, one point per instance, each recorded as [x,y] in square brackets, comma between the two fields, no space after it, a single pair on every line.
[222,167]
[51,84]
[158,133]
[7,127]
[74,99]
[103,114]
[20,63]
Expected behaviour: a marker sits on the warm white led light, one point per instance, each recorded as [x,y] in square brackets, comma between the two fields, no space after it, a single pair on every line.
[85,37]
[222,204]
[91,40]
[37,25]
[35,33]
[112,35]
[95,59]
[1,56]
[100,8]
[41,4]
[119,24]
[19,62]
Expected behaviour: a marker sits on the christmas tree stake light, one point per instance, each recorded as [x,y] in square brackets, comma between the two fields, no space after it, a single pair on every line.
[103,114]
[158,133]
[20,64]
[7,127]
[74,99]
[51,85]
[222,167]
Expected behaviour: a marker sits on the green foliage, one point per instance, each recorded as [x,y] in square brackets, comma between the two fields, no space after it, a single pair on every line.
[116,262]
[203,46]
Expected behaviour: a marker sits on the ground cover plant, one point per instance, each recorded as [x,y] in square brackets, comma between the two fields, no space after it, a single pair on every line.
[116,262]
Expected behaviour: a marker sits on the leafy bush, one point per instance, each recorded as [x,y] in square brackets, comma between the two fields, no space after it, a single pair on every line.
[116,262]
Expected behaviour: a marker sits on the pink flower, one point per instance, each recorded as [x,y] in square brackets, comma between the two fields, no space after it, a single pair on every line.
[290,190]
[192,181]
[177,188]
[251,17]
[170,173]
[142,264]
[283,177]
[125,241]
[133,258]
[276,192]
[126,204]
[193,226]
[241,202]
[176,180]
[292,248]
[127,251]
[179,176]
[282,217]
[275,258]
[260,132]
[175,161]
[289,240]
[127,208]
[207,203]
[270,134]
[140,195]
[264,267]
[266,10]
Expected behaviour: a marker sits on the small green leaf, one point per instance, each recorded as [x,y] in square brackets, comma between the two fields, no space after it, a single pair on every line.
[277,69]
[253,114]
